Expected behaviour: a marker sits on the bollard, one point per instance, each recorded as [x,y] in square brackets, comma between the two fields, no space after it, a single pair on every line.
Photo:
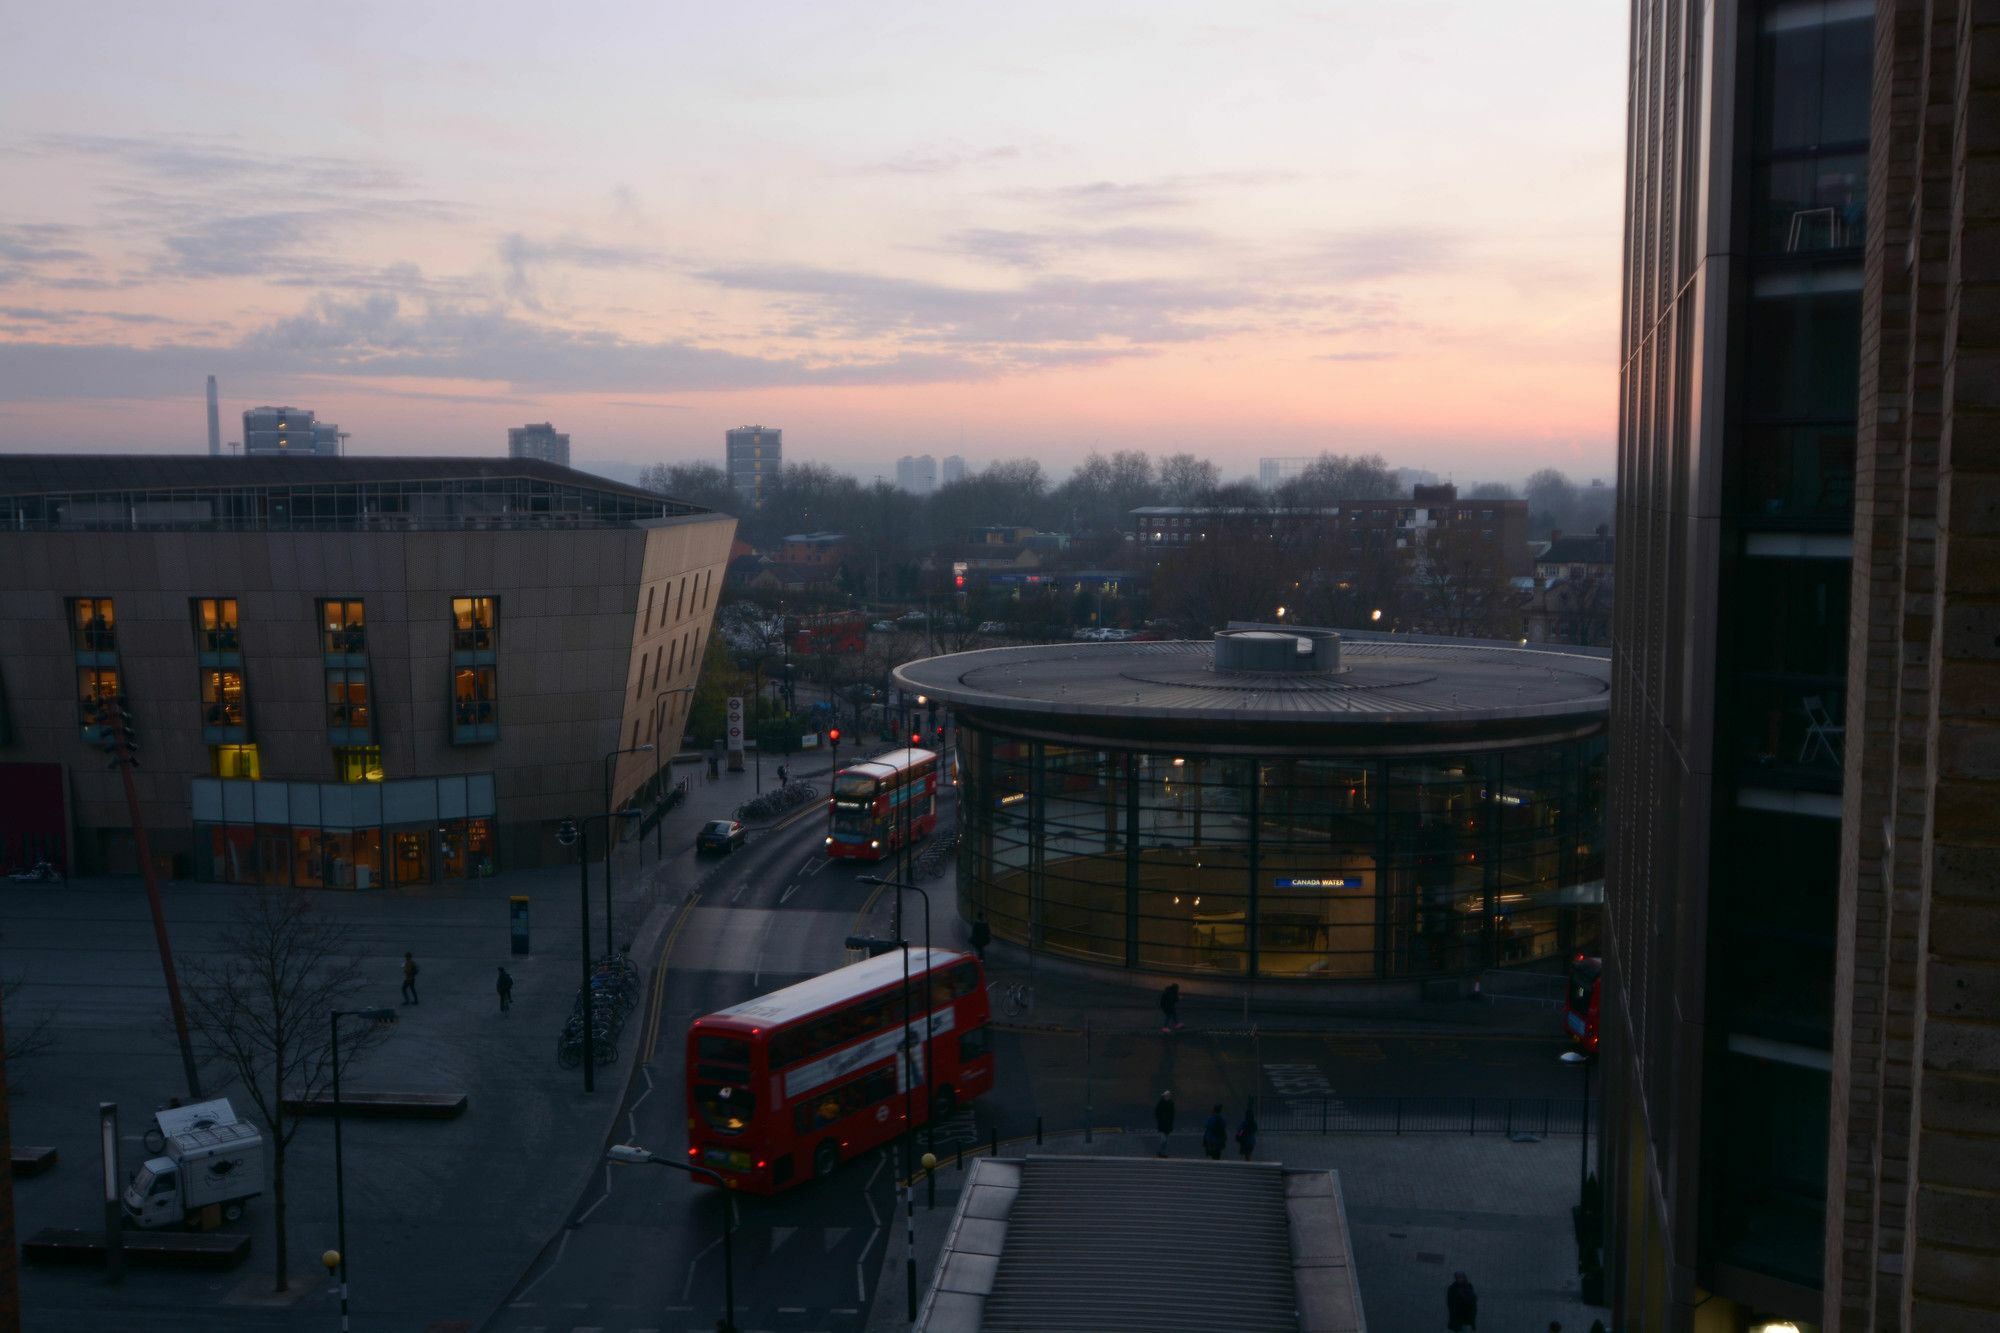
[1038,1131]
[961,1156]
[994,1151]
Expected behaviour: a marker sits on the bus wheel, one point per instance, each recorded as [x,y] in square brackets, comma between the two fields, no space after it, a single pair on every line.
[826,1159]
[944,1102]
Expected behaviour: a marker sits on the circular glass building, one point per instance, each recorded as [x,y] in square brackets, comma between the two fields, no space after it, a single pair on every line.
[1281,803]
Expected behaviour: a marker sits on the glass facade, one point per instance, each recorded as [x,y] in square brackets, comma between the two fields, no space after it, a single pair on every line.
[1304,867]
[337,836]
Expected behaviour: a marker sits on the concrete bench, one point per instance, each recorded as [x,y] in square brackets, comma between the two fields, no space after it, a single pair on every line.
[33,1161]
[166,1249]
[383,1105]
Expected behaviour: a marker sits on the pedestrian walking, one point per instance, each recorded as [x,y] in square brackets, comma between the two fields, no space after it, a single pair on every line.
[505,986]
[982,935]
[1163,1118]
[781,775]
[1170,1008]
[409,978]
[1215,1134]
[1246,1131]
[1461,1305]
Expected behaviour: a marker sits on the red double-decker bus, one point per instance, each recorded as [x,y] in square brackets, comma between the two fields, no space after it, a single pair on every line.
[1585,1001]
[786,1087]
[877,804]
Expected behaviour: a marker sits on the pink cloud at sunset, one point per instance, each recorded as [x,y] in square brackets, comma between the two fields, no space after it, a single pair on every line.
[1345,227]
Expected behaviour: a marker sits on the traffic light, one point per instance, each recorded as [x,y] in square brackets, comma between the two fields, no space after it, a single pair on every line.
[939,731]
[916,739]
[833,735]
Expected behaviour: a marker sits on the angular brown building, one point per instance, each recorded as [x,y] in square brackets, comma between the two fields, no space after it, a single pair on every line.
[1802,923]
[342,672]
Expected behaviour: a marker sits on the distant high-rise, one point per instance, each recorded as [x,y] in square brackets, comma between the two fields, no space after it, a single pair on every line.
[1275,472]
[951,468]
[277,431]
[753,456]
[918,474]
[538,440]
[214,422]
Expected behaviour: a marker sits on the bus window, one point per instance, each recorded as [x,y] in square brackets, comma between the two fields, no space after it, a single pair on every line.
[973,1044]
[727,1110]
[832,1104]
[854,787]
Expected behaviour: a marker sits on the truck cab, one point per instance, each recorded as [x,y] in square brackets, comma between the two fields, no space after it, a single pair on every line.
[153,1199]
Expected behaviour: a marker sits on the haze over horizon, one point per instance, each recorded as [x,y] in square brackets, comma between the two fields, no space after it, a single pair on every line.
[1353,228]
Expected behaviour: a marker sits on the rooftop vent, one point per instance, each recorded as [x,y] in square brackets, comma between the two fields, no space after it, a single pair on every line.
[1294,651]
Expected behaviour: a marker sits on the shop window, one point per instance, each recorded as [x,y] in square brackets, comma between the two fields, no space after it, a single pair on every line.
[347,699]
[473,625]
[95,688]
[234,761]
[222,698]
[215,624]
[344,626]
[358,763]
[94,624]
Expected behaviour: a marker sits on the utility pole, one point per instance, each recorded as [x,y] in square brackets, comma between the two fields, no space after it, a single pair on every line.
[10,1262]
[124,749]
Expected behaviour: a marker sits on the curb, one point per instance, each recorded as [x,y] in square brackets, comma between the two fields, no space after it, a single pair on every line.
[648,942]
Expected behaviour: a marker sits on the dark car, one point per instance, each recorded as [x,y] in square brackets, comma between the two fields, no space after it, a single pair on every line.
[720,835]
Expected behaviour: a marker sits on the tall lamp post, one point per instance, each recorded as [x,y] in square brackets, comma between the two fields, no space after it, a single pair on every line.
[610,840]
[658,851]
[576,833]
[635,1156]
[1583,1161]
[930,1084]
[339,1256]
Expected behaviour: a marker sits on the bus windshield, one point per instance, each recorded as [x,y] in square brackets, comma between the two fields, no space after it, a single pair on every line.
[727,1110]
[854,786]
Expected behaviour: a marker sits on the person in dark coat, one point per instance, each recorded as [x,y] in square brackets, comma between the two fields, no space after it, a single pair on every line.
[1170,1007]
[409,978]
[504,985]
[1215,1134]
[1246,1131]
[982,935]
[1163,1118]
[1461,1305]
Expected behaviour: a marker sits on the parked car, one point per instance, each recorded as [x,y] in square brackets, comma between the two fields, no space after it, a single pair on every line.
[721,835]
[912,618]
[883,627]
[993,627]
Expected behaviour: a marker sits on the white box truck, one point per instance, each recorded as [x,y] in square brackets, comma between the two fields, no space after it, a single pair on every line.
[209,1164]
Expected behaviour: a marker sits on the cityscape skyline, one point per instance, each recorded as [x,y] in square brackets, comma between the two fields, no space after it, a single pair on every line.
[433,262]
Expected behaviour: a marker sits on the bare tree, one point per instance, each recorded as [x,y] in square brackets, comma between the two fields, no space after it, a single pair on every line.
[260,1007]
[1464,591]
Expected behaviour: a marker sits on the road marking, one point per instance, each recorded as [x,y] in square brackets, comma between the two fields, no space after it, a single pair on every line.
[831,1237]
[562,1244]
[584,1216]
[689,1286]
[659,997]
[779,1235]
[632,1116]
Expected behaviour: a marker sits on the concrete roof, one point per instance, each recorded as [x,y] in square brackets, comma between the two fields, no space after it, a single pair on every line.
[1150,1246]
[1382,679]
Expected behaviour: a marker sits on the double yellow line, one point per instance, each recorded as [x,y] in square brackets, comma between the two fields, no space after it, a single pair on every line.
[656,1000]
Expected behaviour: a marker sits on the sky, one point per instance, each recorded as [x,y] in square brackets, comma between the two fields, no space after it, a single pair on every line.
[998,231]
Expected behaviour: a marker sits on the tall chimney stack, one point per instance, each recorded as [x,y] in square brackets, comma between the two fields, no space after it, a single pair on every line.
[214,422]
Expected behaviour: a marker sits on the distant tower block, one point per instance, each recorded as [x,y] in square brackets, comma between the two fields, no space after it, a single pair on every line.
[214,422]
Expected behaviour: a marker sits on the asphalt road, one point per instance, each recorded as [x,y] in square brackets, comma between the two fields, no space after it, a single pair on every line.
[643,1249]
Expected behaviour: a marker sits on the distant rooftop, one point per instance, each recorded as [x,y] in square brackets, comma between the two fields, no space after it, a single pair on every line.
[1397,680]
[99,492]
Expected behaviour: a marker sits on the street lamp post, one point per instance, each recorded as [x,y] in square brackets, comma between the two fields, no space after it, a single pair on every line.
[659,823]
[1583,1160]
[339,1172]
[930,1083]
[576,833]
[610,839]
[635,1156]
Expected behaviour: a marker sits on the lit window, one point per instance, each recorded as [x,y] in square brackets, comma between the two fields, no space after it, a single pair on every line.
[473,696]
[472,623]
[358,763]
[234,761]
[345,626]
[95,625]
[222,698]
[95,687]
[215,620]
[347,699]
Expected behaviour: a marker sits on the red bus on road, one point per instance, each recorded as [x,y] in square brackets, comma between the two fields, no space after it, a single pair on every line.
[876,804]
[786,1087]
[1585,1004]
